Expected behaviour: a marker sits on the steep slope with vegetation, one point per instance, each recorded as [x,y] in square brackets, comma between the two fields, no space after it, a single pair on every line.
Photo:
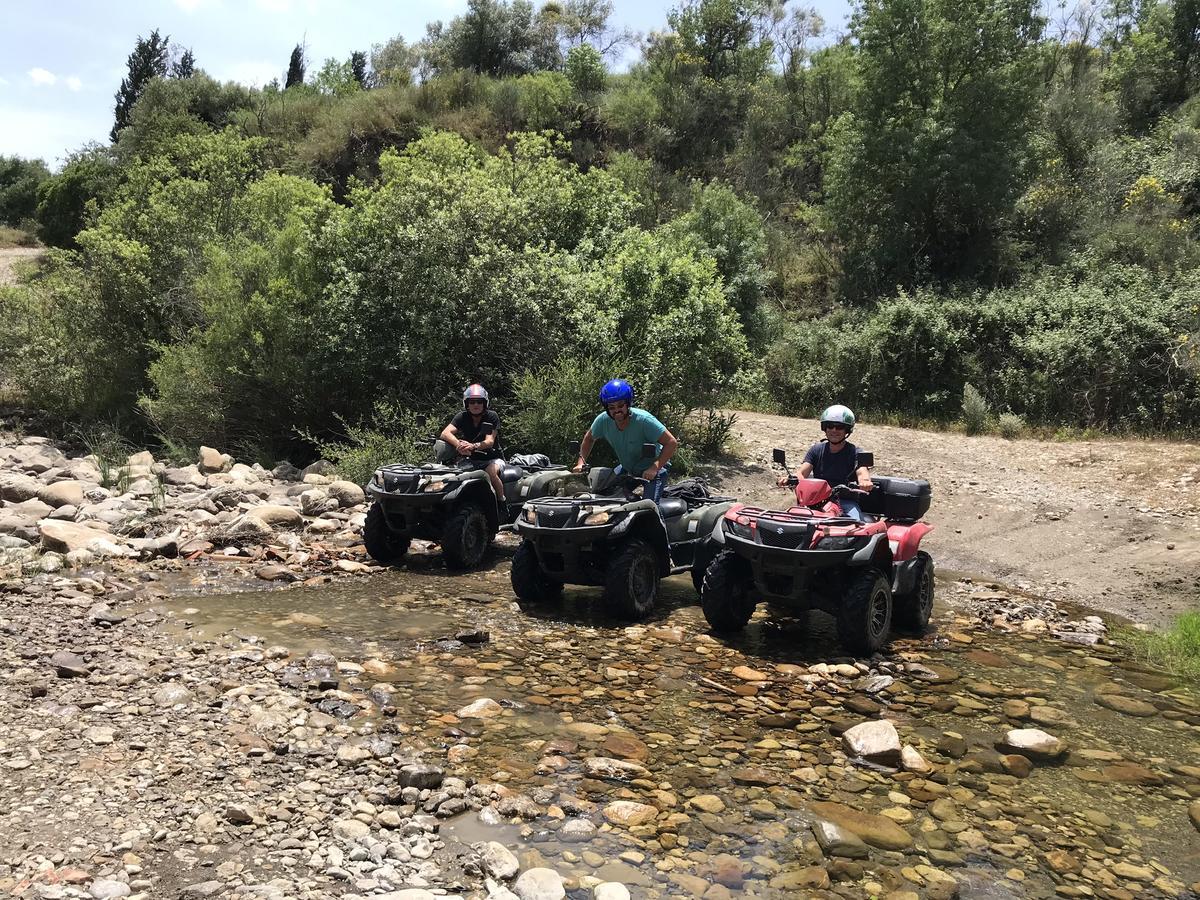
[954,200]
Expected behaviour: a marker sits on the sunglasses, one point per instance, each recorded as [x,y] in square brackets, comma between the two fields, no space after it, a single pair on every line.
[473,402]
[835,427]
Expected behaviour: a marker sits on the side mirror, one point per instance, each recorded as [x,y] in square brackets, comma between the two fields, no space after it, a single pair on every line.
[650,450]
[573,448]
[422,420]
[779,457]
[866,458]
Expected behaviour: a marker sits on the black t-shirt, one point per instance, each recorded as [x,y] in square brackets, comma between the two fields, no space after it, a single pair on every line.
[467,430]
[836,468]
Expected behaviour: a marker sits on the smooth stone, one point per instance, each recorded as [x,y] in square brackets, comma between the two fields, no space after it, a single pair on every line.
[618,769]
[499,861]
[878,831]
[1032,742]
[540,884]
[483,708]
[876,740]
[838,841]
[610,890]
[1129,706]
[630,814]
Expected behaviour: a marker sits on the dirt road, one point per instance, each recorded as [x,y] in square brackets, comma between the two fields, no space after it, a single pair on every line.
[11,257]
[1112,524]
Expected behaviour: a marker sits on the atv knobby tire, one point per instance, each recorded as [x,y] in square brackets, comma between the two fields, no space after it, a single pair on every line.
[911,612]
[529,582]
[699,567]
[631,584]
[727,593]
[865,617]
[385,546]
[466,538]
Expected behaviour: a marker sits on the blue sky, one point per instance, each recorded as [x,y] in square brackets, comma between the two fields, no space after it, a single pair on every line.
[61,64]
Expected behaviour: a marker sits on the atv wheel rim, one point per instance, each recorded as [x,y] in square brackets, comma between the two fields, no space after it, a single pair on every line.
[879,612]
[475,537]
[642,581]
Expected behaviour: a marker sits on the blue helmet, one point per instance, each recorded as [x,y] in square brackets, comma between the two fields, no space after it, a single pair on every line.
[616,390]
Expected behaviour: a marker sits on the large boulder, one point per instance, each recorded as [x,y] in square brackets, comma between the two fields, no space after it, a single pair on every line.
[30,509]
[540,884]
[277,516]
[65,537]
[63,493]
[35,457]
[316,501]
[347,493]
[213,461]
[878,831]
[16,488]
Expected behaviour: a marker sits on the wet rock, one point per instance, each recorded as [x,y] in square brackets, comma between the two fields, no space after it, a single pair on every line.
[69,665]
[745,673]
[628,813]
[876,741]
[540,884]
[498,861]
[625,746]
[421,776]
[709,803]
[835,840]
[754,777]
[912,761]
[1033,743]
[483,708]
[952,744]
[878,831]
[577,830]
[108,889]
[1194,814]
[808,878]
[616,769]
[610,890]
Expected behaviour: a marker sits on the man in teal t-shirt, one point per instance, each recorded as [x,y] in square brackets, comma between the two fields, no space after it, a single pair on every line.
[627,428]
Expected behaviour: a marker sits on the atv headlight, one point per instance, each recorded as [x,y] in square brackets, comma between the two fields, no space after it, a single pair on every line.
[377,478]
[433,487]
[739,526]
[836,542]
[600,517]
[531,515]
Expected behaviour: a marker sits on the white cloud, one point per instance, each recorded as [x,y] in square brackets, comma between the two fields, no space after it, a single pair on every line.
[3,81]
[275,6]
[189,6]
[75,83]
[42,77]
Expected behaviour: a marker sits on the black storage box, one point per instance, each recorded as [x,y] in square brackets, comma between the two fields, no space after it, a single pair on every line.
[898,499]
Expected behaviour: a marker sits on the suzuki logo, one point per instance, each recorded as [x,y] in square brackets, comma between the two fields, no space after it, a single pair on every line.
[779,530]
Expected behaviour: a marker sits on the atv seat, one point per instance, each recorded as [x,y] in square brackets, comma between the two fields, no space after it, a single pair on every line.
[671,507]
[510,473]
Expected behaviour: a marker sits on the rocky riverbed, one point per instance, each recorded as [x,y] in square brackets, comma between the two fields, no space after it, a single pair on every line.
[248,714]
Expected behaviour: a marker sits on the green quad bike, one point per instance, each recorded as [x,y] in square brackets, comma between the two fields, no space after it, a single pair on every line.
[611,537]
[453,505]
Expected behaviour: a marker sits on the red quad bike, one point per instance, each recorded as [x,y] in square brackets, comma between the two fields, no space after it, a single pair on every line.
[865,574]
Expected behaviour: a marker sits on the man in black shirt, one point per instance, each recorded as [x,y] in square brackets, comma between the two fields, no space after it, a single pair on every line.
[835,459]
[475,435]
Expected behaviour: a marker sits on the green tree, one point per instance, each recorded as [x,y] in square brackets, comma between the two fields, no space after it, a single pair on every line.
[147,61]
[924,170]
[337,78]
[358,67]
[295,69]
[392,62]
[185,66]
[65,201]
[585,70]
[19,182]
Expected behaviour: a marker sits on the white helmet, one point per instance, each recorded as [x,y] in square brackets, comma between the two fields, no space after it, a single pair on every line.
[838,415]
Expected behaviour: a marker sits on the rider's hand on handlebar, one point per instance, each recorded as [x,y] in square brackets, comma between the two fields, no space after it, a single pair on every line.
[579,465]
[865,484]
[651,473]
[465,449]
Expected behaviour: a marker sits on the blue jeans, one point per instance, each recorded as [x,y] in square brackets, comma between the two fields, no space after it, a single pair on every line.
[654,489]
[850,508]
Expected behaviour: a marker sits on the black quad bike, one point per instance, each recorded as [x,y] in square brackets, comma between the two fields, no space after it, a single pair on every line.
[453,505]
[611,537]
[811,556]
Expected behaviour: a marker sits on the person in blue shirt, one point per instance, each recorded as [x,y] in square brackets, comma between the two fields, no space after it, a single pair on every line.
[835,459]
[627,428]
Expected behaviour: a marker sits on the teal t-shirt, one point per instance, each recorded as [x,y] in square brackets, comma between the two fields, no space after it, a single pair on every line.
[643,428]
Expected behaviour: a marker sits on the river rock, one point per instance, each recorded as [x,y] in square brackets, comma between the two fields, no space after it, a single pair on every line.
[625,746]
[575,831]
[912,761]
[170,695]
[316,502]
[65,537]
[277,516]
[709,803]
[498,860]
[878,831]
[745,673]
[212,461]
[610,890]
[350,829]
[69,665]
[540,884]
[618,769]
[63,493]
[16,488]
[483,708]
[346,493]
[421,776]
[838,841]
[1129,706]
[1194,813]
[629,813]
[875,740]
[108,889]
[1032,742]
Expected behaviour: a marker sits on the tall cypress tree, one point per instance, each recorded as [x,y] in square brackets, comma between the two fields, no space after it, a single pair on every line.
[185,66]
[358,67]
[295,72]
[148,60]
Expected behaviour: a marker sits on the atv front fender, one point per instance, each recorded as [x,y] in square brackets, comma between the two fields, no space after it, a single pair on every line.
[876,552]
[646,523]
